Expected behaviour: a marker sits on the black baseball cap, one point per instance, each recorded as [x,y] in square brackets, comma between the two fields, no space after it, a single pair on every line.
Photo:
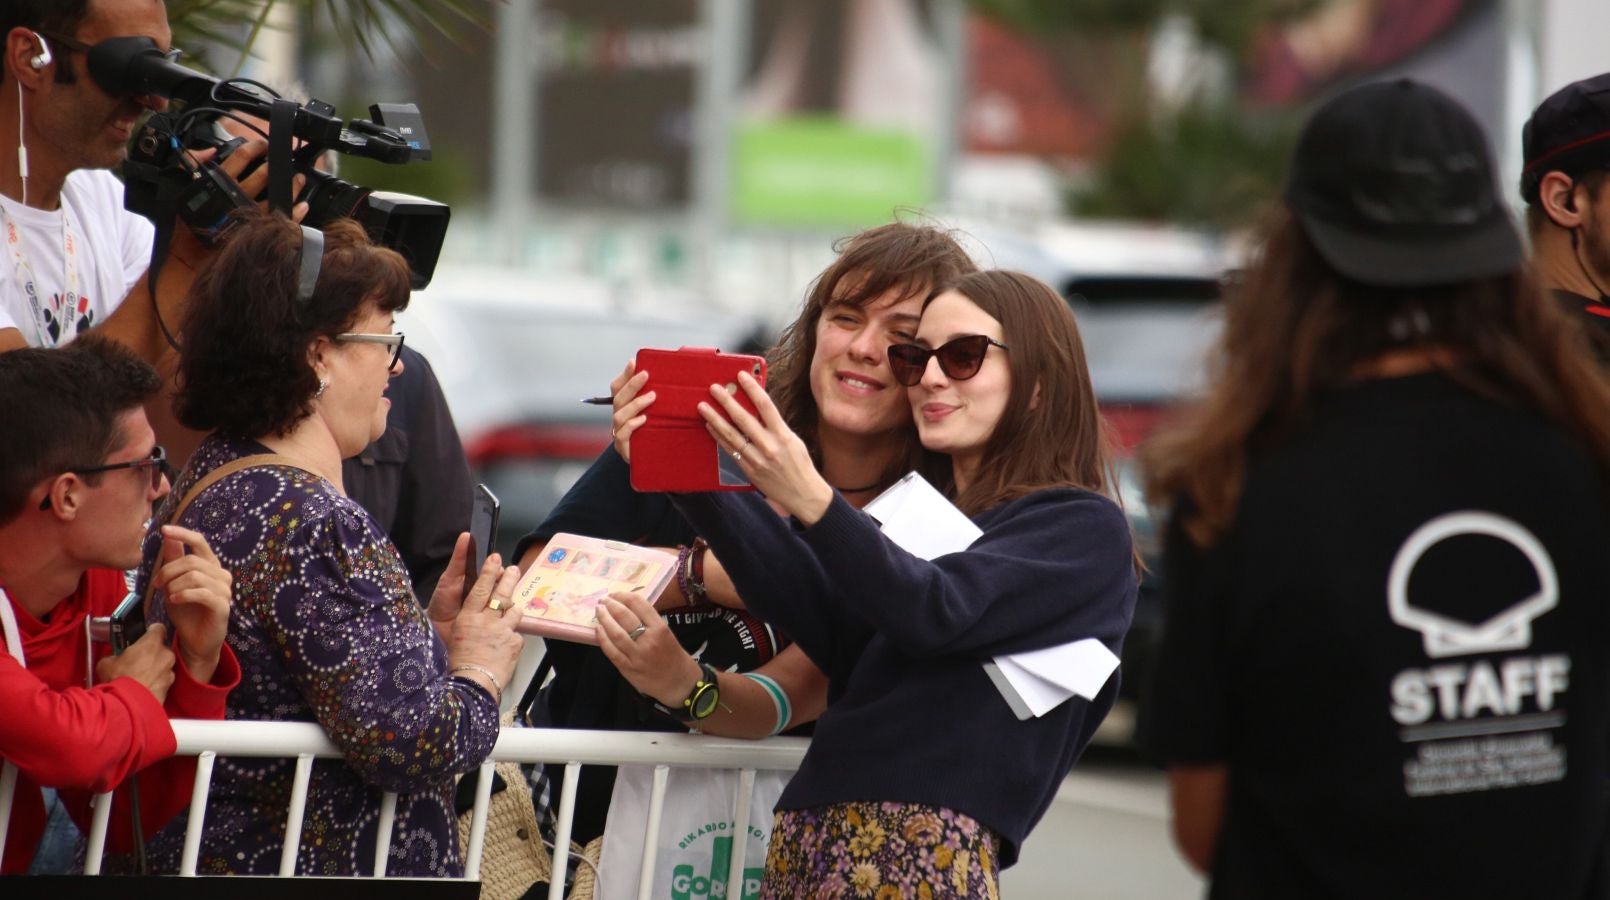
[1394,184]
[1569,132]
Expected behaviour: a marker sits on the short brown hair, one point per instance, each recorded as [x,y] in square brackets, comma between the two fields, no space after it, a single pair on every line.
[60,408]
[914,260]
[243,364]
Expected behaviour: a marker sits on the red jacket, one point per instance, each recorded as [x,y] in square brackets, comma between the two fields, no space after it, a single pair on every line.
[83,741]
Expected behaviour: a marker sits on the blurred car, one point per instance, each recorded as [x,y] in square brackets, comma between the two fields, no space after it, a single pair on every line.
[516,356]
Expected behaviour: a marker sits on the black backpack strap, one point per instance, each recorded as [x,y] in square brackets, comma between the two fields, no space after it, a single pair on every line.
[522,711]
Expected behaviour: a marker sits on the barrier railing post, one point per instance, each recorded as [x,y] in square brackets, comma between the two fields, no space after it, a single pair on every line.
[740,834]
[388,818]
[8,788]
[561,839]
[483,799]
[651,833]
[95,845]
[293,820]
[198,812]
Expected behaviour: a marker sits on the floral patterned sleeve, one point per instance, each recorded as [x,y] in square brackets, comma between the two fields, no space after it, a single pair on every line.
[356,643]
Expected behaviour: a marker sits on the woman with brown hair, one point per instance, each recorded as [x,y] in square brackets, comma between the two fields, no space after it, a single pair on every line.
[1383,672]
[830,376]
[288,348]
[920,778]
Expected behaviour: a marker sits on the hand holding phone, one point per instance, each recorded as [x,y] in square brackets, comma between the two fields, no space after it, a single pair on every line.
[483,534]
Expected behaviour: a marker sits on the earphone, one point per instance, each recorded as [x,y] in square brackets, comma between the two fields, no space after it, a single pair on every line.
[42,58]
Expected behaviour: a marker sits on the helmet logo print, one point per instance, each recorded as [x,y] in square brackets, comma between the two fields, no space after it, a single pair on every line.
[1510,629]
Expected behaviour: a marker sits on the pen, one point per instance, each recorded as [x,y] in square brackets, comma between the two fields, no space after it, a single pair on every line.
[598,401]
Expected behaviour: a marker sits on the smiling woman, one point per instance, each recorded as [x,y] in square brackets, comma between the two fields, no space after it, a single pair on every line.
[901,638]
[289,383]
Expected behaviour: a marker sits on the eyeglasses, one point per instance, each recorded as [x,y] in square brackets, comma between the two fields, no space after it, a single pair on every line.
[157,461]
[78,45]
[393,340]
[959,358]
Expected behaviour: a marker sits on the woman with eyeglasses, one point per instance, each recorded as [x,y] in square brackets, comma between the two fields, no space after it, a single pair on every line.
[290,381]
[920,778]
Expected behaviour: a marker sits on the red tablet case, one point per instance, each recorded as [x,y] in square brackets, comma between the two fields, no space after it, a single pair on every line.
[672,451]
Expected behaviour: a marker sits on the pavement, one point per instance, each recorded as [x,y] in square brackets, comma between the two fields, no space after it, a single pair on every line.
[1105,837]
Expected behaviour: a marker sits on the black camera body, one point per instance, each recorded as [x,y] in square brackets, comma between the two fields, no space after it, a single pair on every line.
[160,177]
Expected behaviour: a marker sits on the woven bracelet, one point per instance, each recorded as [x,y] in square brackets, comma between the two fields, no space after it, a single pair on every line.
[779,699]
[696,554]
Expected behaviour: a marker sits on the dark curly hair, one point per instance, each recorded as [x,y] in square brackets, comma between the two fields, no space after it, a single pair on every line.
[60,408]
[243,359]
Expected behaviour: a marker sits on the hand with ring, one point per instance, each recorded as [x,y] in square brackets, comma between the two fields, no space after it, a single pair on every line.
[640,644]
[771,455]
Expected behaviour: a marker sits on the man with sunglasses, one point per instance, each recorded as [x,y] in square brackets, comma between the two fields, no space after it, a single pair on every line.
[79,471]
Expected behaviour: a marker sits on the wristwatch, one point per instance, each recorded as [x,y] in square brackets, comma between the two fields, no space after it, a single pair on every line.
[700,702]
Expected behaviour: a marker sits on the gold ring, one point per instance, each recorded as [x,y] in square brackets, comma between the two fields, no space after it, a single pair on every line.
[494,604]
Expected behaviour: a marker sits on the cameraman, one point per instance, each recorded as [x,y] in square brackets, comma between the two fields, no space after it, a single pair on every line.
[79,470]
[77,258]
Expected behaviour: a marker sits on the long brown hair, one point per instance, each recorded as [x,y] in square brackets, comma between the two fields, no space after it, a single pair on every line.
[1051,433]
[1297,329]
[912,260]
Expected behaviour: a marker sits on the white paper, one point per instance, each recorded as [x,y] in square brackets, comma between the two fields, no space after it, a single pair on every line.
[919,519]
[1043,679]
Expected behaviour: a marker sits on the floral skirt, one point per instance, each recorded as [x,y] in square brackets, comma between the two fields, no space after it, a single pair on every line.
[880,850]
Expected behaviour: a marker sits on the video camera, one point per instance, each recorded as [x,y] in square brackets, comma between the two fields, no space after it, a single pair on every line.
[161,180]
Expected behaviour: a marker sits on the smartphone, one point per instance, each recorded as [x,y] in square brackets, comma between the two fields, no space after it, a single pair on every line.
[483,533]
[673,451]
[126,623]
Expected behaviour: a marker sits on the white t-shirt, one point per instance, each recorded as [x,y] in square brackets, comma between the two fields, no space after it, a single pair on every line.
[113,251]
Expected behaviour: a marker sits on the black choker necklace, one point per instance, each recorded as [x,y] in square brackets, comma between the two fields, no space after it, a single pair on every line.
[859,490]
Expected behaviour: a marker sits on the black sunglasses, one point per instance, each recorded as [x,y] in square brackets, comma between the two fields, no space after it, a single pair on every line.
[959,358]
[78,45]
[157,461]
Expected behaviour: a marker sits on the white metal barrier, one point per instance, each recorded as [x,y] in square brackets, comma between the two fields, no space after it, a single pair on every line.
[306,741]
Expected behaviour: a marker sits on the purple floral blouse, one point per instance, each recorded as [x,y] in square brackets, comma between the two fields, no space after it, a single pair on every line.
[327,630]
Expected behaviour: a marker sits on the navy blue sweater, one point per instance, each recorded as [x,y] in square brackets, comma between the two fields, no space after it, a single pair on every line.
[911,715]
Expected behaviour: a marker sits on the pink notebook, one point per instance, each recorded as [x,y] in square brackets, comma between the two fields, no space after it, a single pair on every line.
[558,596]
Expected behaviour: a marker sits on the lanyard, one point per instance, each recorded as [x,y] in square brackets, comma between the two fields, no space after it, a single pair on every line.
[66,308]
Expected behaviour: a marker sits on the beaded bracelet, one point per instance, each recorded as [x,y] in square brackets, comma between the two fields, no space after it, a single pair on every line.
[683,555]
[779,699]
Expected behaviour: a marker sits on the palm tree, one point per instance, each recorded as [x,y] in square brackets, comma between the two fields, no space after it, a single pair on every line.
[357,23]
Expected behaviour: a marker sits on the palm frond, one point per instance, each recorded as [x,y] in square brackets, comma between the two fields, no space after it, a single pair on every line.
[358,24]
